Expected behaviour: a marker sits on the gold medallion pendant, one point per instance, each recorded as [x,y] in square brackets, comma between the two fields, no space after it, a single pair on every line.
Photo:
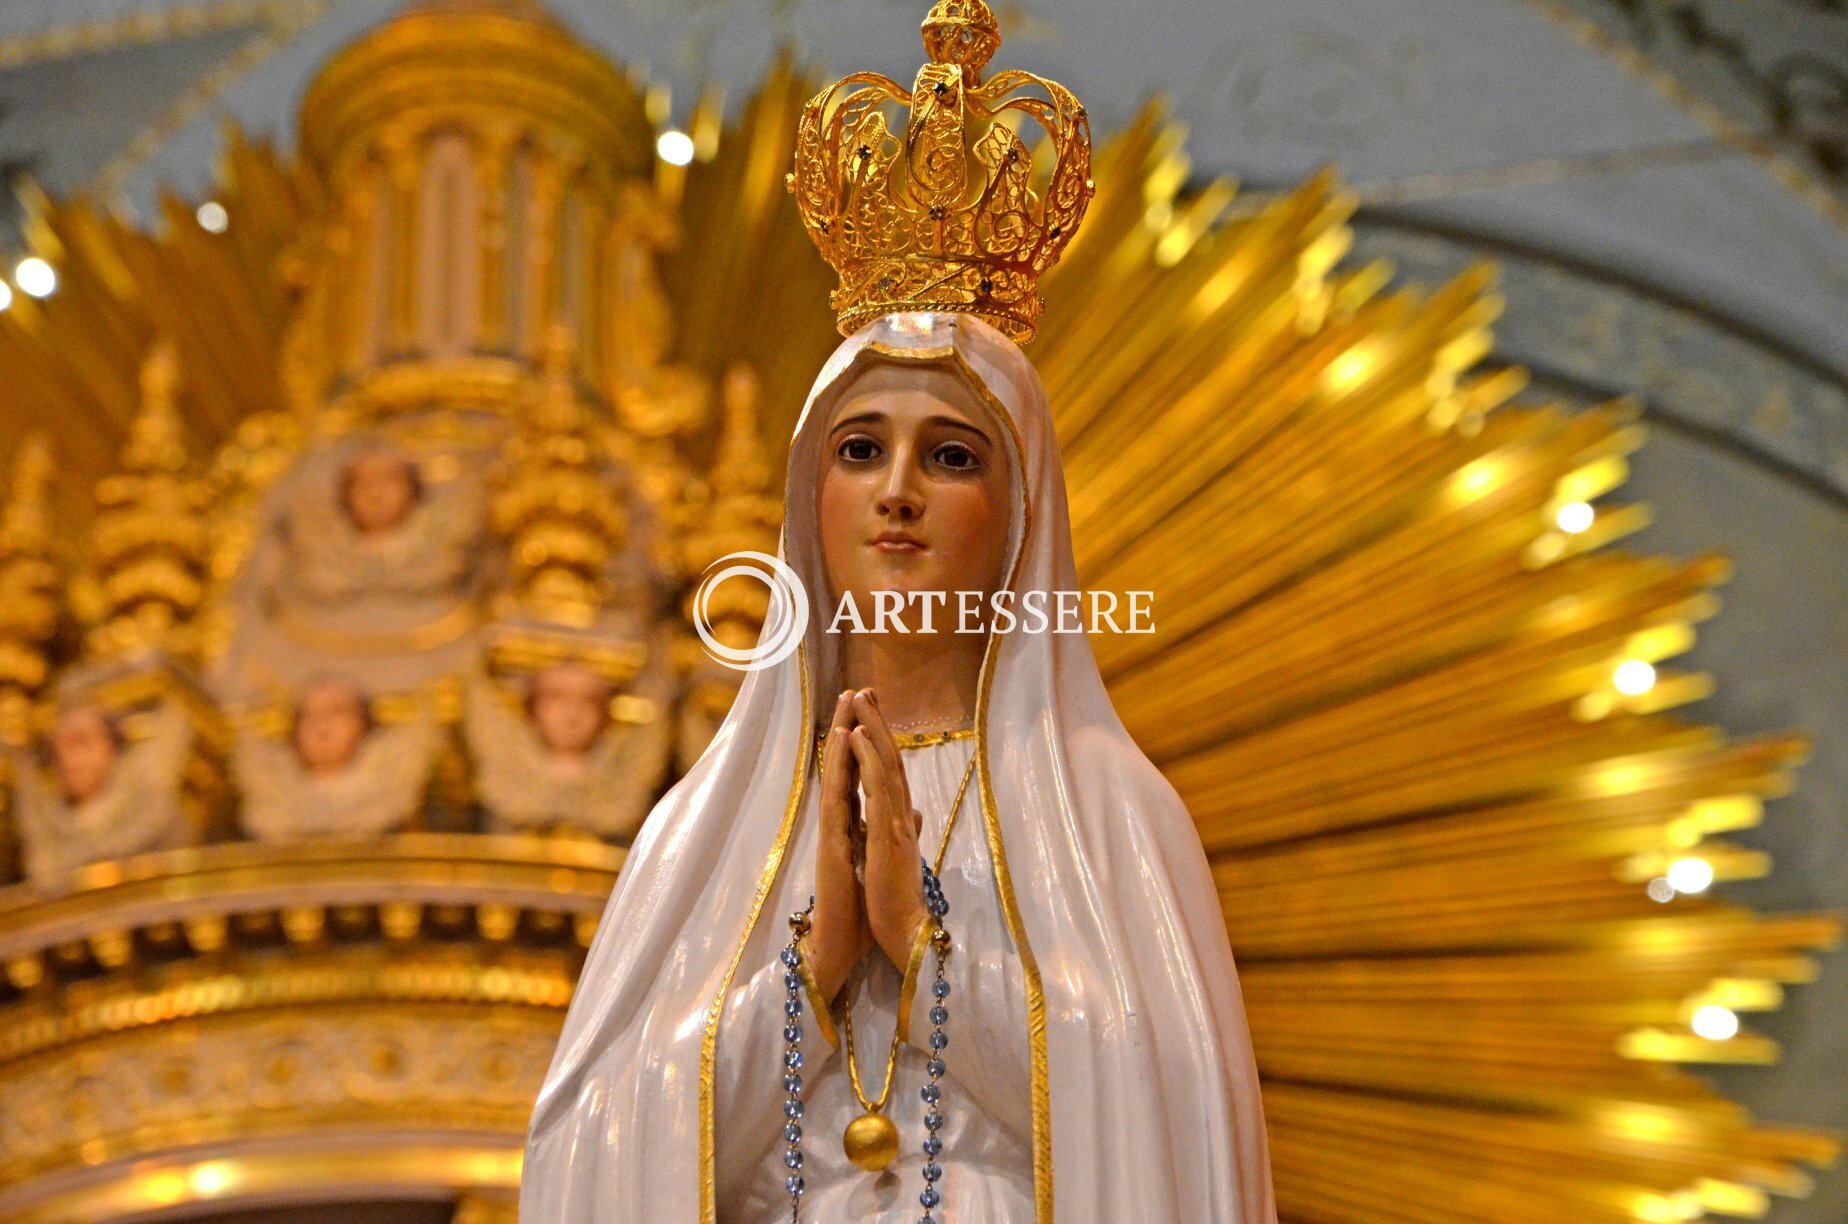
[871,1141]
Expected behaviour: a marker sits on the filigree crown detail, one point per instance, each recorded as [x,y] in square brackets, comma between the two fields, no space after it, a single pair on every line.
[950,218]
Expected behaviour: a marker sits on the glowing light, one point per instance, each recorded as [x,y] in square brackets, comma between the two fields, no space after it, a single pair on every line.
[1634,676]
[1475,479]
[1672,1208]
[675,147]
[210,1179]
[164,1189]
[1714,1022]
[1690,875]
[6,295]
[34,276]
[1351,367]
[1661,890]
[1574,517]
[212,217]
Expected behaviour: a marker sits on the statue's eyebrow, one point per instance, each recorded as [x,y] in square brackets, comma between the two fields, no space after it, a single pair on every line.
[860,418]
[956,423]
[873,417]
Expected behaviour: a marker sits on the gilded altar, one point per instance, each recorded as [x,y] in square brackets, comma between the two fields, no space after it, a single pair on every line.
[329,714]
[346,562]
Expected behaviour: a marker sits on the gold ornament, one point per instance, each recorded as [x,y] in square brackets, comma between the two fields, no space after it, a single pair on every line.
[559,508]
[148,544]
[951,218]
[871,1141]
[31,600]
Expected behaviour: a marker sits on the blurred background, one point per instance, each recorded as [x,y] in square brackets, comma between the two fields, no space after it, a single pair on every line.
[224,345]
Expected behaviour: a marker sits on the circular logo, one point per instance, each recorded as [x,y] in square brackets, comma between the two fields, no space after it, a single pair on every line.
[785,624]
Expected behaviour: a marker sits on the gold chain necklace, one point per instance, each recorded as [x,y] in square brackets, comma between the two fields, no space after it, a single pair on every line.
[871,1140]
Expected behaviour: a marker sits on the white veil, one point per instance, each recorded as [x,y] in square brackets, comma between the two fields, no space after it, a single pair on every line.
[1145,1091]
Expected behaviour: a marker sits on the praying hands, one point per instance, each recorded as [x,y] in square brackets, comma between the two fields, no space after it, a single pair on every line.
[867,886]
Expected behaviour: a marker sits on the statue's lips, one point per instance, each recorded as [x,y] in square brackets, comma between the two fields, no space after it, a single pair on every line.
[899,544]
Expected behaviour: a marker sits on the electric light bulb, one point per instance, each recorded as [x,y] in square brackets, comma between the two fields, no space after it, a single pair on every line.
[1574,517]
[1714,1022]
[1634,676]
[34,276]
[1690,875]
[675,147]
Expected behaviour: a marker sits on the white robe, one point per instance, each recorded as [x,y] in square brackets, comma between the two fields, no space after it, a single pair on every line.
[1143,1086]
[987,1130]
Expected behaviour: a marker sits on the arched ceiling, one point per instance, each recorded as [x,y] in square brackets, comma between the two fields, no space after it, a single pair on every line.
[1687,157]
[1686,145]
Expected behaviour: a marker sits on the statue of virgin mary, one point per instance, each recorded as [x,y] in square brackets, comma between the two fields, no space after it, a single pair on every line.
[1004,991]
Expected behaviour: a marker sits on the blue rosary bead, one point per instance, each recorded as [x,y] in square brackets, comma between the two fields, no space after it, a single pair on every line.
[939,1040]
[790,958]
[933,1146]
[931,1093]
[939,1014]
[933,1120]
[792,1033]
[793,1133]
[792,1109]
[940,988]
[793,1158]
[794,1183]
[930,1197]
[935,1067]
[793,1059]
[792,1008]
[792,1083]
[932,1171]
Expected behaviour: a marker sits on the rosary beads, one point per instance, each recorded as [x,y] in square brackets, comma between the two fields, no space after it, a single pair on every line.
[792,1059]
[939,1014]
[931,1093]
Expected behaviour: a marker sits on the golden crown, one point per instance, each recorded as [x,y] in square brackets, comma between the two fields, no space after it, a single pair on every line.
[950,219]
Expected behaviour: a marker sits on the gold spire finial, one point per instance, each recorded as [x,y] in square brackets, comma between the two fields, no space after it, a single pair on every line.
[557,508]
[735,510]
[741,467]
[30,576]
[25,523]
[148,544]
[950,217]
[155,437]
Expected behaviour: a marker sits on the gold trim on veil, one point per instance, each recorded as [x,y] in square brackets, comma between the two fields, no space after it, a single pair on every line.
[1004,884]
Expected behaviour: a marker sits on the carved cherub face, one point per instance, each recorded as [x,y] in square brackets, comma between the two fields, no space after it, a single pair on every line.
[85,745]
[378,490]
[910,450]
[331,721]
[569,706]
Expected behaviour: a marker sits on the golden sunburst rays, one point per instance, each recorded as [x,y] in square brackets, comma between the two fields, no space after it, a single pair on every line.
[1420,716]
[1418,709]
[744,278]
[222,300]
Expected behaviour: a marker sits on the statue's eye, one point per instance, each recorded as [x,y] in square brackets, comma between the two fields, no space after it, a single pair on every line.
[958,457]
[858,449]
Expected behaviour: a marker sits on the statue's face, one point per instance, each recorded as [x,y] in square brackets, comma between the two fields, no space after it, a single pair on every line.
[84,752]
[330,724]
[569,706]
[379,489]
[911,451]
